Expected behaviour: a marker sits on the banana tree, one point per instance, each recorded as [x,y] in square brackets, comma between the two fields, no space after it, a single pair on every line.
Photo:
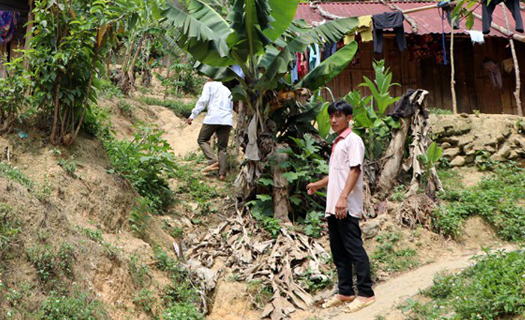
[262,38]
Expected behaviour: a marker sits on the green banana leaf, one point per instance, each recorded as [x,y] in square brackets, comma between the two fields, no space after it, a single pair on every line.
[203,33]
[323,121]
[329,68]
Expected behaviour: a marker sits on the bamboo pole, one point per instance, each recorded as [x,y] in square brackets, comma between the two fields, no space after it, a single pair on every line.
[452,73]
[506,32]
[516,66]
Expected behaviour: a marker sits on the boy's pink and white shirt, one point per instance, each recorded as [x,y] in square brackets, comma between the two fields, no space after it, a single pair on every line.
[348,151]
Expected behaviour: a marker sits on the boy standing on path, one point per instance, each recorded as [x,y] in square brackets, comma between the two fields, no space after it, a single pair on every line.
[344,208]
[218,120]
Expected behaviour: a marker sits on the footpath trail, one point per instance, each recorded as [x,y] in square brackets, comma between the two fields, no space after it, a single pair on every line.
[391,293]
[181,137]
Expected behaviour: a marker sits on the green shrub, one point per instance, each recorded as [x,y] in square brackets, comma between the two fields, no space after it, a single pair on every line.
[13,173]
[145,161]
[69,165]
[13,98]
[182,311]
[138,271]
[79,306]
[495,198]
[390,257]
[313,223]
[10,228]
[145,300]
[97,123]
[491,289]
[139,217]
[180,108]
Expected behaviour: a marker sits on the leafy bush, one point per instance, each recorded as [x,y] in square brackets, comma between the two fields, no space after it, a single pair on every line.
[369,114]
[491,289]
[79,306]
[13,98]
[65,53]
[97,123]
[182,311]
[69,165]
[180,108]
[145,161]
[145,300]
[390,257]
[139,217]
[10,228]
[313,223]
[495,198]
[13,173]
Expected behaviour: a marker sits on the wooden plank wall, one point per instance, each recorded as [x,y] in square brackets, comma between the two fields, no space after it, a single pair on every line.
[474,87]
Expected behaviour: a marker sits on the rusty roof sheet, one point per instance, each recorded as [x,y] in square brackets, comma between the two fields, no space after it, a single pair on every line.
[428,21]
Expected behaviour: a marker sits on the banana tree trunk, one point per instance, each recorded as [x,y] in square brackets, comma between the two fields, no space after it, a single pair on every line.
[281,186]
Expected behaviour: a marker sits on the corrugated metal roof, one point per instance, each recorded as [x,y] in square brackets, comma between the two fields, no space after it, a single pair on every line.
[428,21]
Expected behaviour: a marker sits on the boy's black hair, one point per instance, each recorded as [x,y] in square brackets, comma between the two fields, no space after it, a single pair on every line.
[340,106]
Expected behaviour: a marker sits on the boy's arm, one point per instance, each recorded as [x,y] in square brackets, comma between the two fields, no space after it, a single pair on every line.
[314,186]
[341,209]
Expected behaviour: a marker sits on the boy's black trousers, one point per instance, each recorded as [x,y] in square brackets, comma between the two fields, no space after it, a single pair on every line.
[348,252]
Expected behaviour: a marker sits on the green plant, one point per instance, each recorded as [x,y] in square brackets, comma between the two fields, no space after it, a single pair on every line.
[261,294]
[390,257]
[182,311]
[180,108]
[194,187]
[93,234]
[145,161]
[369,113]
[140,214]
[13,173]
[138,271]
[175,232]
[13,97]
[439,111]
[108,90]
[69,165]
[77,306]
[145,300]
[483,161]
[10,229]
[125,107]
[491,289]
[496,199]
[44,259]
[313,223]
[65,53]
[97,123]
[399,193]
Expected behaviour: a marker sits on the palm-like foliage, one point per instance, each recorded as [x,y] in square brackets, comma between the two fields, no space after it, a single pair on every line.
[262,38]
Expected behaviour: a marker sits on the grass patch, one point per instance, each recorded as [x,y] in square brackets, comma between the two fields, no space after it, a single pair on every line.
[78,306]
[180,108]
[389,257]
[13,173]
[492,289]
[10,228]
[199,191]
[496,199]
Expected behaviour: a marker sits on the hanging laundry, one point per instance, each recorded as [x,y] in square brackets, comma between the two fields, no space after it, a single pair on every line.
[389,20]
[8,21]
[488,9]
[295,73]
[476,36]
[330,49]
[494,72]
[302,65]
[364,28]
[315,56]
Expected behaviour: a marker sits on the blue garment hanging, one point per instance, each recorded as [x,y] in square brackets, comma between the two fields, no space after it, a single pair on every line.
[443,17]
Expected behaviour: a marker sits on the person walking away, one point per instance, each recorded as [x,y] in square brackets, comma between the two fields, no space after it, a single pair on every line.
[344,208]
[219,121]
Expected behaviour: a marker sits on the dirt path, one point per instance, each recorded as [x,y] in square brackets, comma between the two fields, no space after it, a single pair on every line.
[181,137]
[393,292]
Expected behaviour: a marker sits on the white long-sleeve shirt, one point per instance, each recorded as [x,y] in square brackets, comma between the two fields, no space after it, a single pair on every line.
[218,100]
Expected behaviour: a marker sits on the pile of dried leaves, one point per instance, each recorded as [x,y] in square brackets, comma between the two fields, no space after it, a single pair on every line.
[276,262]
